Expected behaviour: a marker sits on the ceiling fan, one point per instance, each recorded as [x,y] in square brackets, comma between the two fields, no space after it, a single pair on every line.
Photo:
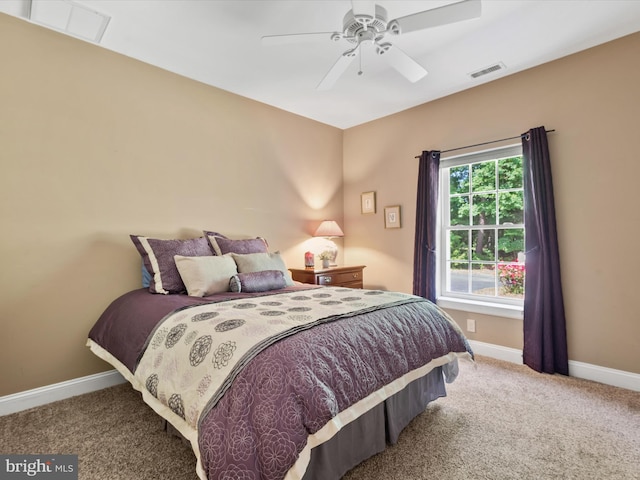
[366,24]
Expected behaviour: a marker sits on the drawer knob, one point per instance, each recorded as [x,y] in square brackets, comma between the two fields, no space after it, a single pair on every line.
[355,275]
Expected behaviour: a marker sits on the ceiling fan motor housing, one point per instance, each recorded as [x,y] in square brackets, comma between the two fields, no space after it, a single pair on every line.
[355,26]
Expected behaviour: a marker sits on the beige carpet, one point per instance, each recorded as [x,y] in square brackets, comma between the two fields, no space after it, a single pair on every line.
[500,421]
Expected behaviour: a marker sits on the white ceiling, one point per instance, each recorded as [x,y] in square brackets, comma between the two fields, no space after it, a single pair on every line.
[218,42]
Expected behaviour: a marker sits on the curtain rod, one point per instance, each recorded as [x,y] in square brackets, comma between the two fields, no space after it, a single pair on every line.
[485,143]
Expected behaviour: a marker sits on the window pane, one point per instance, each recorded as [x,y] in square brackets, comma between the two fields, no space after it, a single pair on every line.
[510,244]
[459,210]
[483,279]
[484,209]
[483,176]
[459,277]
[510,173]
[459,245]
[459,179]
[511,280]
[483,245]
[511,207]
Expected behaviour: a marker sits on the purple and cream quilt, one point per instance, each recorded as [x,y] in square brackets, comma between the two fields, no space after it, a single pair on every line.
[254,382]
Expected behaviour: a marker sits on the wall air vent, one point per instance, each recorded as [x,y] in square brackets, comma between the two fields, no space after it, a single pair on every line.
[69,17]
[493,68]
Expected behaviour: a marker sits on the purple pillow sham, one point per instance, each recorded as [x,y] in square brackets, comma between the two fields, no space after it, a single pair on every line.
[157,257]
[222,245]
[147,277]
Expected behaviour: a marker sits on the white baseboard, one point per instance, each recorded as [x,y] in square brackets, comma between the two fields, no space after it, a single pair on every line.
[586,371]
[610,376]
[58,391]
[512,355]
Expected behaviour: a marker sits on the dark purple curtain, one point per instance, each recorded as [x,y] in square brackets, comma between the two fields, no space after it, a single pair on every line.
[545,337]
[424,257]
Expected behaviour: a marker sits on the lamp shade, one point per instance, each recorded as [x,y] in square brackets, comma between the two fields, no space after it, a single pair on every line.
[329,228]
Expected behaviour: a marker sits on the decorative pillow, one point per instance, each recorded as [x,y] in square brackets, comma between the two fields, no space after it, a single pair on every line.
[206,275]
[223,245]
[157,256]
[257,262]
[257,281]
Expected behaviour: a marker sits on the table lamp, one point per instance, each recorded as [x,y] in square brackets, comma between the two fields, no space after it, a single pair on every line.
[329,229]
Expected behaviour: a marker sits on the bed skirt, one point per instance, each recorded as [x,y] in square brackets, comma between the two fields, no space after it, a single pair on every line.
[381,426]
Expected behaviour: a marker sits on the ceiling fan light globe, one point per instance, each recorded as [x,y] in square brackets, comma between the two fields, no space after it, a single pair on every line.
[366,36]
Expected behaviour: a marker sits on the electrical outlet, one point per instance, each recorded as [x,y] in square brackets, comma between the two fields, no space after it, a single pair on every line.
[471,325]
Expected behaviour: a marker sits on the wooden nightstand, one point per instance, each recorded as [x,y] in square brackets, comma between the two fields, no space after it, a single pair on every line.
[332,277]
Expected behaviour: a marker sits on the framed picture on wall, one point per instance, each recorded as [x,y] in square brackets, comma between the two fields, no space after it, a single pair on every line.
[392,217]
[368,202]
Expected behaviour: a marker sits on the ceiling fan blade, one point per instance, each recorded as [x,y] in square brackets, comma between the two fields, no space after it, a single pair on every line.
[296,38]
[338,69]
[455,12]
[363,7]
[402,62]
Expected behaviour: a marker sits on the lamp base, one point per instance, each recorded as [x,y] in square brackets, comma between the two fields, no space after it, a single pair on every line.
[330,247]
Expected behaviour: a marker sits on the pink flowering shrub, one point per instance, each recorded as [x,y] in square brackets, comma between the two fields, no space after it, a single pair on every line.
[512,278]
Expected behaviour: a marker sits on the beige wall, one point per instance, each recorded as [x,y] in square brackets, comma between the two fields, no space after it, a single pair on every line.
[592,100]
[95,146]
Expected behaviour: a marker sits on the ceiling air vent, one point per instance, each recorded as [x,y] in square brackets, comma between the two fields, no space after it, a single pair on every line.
[70,17]
[487,70]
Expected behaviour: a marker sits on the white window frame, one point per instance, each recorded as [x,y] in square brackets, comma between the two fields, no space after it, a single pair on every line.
[497,306]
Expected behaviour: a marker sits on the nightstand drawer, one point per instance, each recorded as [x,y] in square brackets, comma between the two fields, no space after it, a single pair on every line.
[340,278]
[350,277]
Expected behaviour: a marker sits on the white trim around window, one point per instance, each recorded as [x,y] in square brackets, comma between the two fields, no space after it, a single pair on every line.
[481,306]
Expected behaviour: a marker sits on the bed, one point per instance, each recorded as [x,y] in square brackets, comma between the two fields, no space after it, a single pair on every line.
[274,379]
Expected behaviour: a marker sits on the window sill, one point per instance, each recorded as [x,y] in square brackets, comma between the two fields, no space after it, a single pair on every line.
[486,308]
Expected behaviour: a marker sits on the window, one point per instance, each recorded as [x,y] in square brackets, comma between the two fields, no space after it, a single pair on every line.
[482,228]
